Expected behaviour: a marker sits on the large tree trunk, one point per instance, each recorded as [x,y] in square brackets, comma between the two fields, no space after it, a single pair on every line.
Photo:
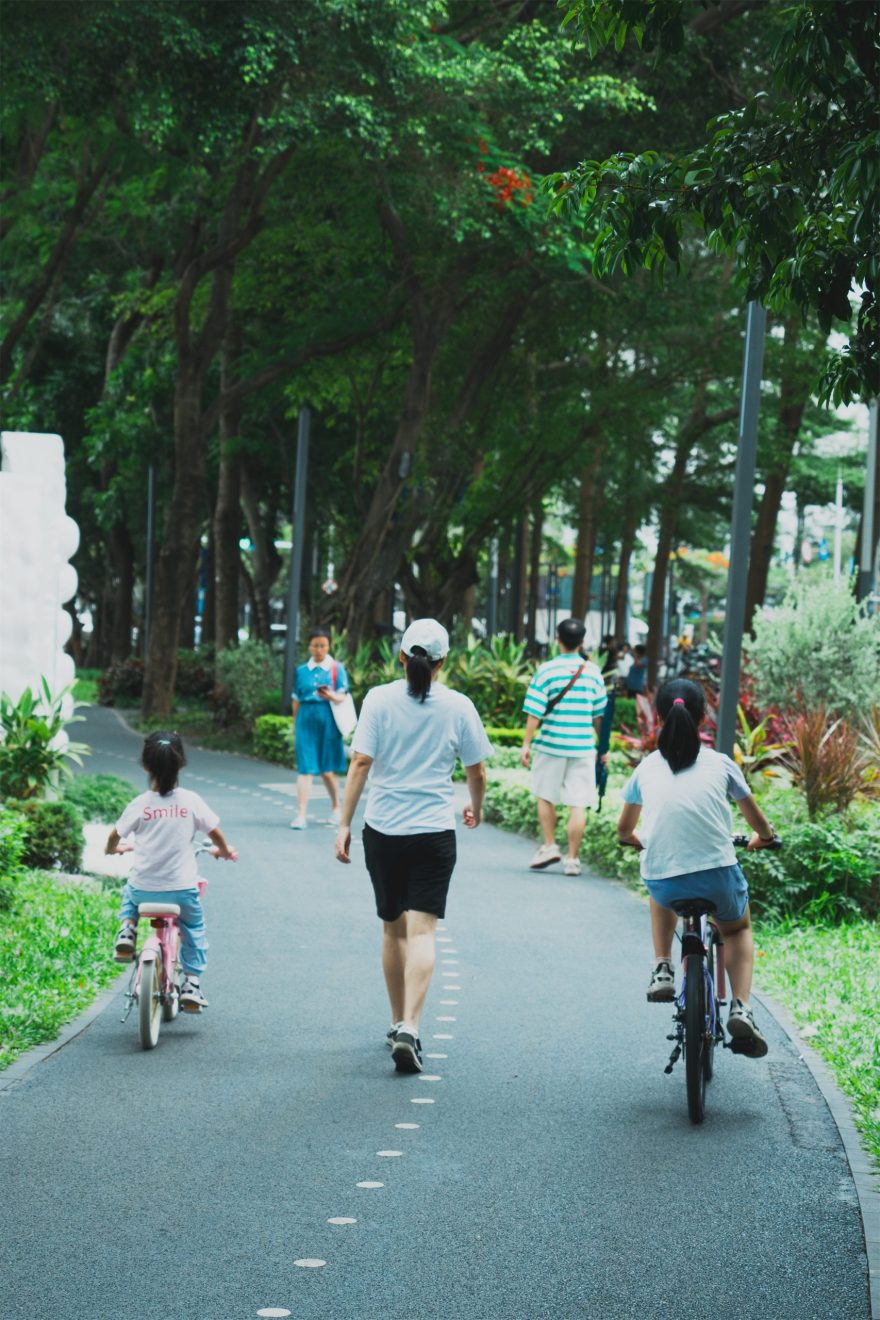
[535,545]
[227,510]
[121,554]
[180,545]
[586,537]
[621,595]
[266,560]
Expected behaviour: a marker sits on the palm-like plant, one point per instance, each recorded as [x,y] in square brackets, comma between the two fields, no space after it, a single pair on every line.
[755,750]
[31,752]
[826,761]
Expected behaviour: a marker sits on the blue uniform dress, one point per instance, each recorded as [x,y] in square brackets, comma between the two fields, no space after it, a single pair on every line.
[319,748]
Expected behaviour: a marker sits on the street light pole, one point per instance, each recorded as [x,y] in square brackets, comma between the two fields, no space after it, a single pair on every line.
[741,526]
[151,557]
[296,558]
[866,550]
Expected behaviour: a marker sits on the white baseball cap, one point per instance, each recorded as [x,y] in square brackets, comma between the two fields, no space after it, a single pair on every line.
[430,635]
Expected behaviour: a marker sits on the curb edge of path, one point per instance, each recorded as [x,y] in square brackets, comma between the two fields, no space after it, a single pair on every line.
[861,1164]
[17,1071]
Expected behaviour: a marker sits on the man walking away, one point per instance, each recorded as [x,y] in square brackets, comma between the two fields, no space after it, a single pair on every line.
[566,698]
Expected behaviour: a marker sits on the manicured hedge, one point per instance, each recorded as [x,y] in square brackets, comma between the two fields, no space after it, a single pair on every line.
[273,738]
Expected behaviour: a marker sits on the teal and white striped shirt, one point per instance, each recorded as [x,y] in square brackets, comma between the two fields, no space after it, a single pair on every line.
[568,729]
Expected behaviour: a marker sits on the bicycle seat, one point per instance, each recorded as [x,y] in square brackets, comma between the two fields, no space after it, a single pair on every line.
[692,907]
[158,910]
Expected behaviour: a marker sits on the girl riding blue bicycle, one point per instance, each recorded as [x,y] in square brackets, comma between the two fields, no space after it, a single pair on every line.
[685,789]
[164,821]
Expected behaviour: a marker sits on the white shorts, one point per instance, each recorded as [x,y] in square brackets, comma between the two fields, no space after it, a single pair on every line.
[569,780]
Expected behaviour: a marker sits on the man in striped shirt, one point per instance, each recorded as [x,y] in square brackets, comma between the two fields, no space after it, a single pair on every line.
[567,698]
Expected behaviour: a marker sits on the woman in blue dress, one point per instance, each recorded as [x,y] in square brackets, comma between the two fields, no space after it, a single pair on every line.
[319,749]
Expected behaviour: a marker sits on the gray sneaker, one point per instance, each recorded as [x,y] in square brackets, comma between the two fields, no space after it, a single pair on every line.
[126,939]
[407,1052]
[661,988]
[744,1031]
[191,998]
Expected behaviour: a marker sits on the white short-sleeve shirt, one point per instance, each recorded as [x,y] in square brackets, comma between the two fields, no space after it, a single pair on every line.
[414,746]
[163,829]
[685,823]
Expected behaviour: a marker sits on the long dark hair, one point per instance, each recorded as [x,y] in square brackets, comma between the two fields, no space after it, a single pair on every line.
[681,706]
[419,672]
[163,758]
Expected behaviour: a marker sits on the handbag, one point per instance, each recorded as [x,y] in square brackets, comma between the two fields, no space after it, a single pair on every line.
[343,712]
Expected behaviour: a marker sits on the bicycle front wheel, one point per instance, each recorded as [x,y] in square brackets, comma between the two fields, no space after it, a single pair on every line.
[150,1003]
[695,1038]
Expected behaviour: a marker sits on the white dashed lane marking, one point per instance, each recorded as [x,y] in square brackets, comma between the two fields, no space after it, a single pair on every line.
[389,1154]
[445,1017]
[430,1077]
[421,1100]
[408,1126]
[436,1056]
[341,1219]
[277,1311]
[443,1035]
[369,1184]
[310,1263]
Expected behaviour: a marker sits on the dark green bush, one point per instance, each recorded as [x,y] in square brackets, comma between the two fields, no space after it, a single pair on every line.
[12,843]
[99,797]
[624,712]
[195,672]
[53,837]
[506,737]
[273,738]
[123,681]
[826,871]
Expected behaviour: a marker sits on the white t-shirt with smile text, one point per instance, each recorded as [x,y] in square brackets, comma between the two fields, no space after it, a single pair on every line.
[164,829]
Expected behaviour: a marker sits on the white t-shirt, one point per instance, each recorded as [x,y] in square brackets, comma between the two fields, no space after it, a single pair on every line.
[163,829]
[685,823]
[414,745]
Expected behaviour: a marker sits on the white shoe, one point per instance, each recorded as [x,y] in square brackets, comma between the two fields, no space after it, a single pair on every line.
[336,817]
[547,854]
[298,823]
[571,866]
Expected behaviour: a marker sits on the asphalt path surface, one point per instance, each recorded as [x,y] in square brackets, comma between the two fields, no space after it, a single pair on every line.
[542,1166]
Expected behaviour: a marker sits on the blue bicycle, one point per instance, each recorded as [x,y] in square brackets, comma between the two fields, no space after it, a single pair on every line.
[696,1023]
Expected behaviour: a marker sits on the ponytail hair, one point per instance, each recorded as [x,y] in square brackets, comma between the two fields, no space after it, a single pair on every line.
[419,672]
[681,706]
[163,758]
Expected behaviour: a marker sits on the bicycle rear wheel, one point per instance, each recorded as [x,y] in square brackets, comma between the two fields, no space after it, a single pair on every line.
[709,1048]
[171,1003]
[695,1038]
[150,1003]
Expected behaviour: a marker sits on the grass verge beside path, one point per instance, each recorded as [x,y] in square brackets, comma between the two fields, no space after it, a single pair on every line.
[828,977]
[56,954]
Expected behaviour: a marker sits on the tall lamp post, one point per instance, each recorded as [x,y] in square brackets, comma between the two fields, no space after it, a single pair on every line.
[296,558]
[741,526]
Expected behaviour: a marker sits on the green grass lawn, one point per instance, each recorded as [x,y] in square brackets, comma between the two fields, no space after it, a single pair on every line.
[56,953]
[85,687]
[828,977]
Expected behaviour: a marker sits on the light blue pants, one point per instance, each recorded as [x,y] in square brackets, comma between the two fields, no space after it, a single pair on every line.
[193,934]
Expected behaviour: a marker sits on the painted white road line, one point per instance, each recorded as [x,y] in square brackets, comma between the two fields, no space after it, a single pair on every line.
[341,1219]
[409,1126]
[369,1184]
[430,1077]
[443,1035]
[421,1100]
[436,1056]
[389,1154]
[445,1017]
[277,1311]
[310,1263]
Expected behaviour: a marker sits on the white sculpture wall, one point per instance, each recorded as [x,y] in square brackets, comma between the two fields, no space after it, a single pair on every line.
[37,539]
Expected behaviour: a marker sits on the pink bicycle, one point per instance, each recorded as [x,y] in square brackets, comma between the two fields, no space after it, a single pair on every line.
[156,975]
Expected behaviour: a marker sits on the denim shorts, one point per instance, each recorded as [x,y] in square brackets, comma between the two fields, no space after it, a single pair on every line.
[725,885]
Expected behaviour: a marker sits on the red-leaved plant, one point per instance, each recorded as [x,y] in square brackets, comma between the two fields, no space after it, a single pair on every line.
[826,761]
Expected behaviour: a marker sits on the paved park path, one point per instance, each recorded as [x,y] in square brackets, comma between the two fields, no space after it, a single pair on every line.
[542,1167]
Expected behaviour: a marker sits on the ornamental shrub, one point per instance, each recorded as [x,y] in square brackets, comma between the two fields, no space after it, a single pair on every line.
[820,647]
[826,870]
[99,797]
[122,682]
[12,844]
[53,835]
[273,738]
[195,672]
[30,754]
[245,674]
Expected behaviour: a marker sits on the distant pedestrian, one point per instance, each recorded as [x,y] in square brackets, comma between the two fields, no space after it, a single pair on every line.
[566,698]
[637,675]
[408,737]
[164,822]
[320,682]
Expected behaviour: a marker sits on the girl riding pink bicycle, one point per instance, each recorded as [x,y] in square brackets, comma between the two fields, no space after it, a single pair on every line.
[164,821]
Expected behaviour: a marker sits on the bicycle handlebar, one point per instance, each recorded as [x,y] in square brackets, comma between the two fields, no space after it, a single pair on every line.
[742,841]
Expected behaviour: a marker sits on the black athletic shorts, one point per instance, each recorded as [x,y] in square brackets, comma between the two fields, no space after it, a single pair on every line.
[410,872]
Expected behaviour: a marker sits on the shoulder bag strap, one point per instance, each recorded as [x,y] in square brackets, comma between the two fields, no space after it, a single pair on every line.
[333,676]
[554,701]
